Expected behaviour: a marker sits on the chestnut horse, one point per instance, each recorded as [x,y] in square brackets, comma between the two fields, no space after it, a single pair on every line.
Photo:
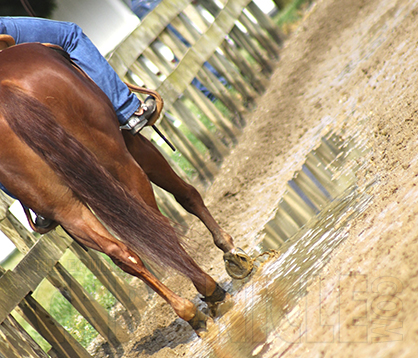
[63,155]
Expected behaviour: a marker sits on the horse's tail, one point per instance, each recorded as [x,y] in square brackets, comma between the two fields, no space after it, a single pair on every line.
[139,227]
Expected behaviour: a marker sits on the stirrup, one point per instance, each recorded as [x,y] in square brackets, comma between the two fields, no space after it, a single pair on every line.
[137,122]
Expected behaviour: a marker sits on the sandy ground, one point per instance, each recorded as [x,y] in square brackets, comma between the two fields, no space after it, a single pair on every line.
[350,65]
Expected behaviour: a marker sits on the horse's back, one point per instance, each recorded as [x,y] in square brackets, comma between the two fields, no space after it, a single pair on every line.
[49,77]
[48,85]
[76,102]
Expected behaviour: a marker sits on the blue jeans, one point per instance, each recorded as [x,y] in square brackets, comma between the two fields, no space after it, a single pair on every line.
[81,50]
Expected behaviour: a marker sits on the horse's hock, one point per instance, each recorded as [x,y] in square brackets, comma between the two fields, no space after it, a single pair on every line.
[240,42]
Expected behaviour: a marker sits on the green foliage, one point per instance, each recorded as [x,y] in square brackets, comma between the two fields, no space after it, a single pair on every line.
[281,4]
[291,12]
[42,8]
[71,320]
[66,314]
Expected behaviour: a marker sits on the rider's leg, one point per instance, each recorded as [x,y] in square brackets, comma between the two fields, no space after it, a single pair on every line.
[85,54]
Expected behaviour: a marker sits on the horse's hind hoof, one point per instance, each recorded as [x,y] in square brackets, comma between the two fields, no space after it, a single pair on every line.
[217,296]
[238,264]
[217,299]
[218,309]
[199,323]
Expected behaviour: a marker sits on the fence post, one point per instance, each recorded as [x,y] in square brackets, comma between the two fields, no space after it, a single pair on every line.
[15,342]
[266,22]
[88,307]
[205,171]
[62,342]
[257,81]
[128,296]
[217,149]
[242,40]
[255,31]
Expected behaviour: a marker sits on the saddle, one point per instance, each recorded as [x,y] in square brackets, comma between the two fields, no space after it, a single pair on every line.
[8,41]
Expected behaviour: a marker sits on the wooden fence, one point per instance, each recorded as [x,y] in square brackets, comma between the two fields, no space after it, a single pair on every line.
[242,54]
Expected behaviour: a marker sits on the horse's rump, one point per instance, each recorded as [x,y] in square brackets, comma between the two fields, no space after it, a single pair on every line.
[143,230]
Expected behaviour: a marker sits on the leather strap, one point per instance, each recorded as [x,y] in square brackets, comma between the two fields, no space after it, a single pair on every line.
[158,100]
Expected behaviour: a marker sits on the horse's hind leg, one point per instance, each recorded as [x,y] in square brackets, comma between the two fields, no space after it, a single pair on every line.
[238,264]
[82,225]
[161,174]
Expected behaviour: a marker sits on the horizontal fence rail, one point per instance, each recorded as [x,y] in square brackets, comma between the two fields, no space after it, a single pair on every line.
[228,47]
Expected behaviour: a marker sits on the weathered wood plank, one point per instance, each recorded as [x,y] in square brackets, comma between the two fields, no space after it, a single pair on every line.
[210,6]
[155,57]
[5,202]
[12,290]
[27,238]
[170,207]
[256,32]
[214,114]
[196,18]
[205,171]
[189,66]
[28,274]
[38,262]
[217,149]
[146,32]
[144,73]
[22,243]
[246,42]
[88,307]
[15,342]
[214,85]
[62,341]
[233,77]
[174,43]
[127,295]
[206,45]
[234,56]
[187,32]
[266,22]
